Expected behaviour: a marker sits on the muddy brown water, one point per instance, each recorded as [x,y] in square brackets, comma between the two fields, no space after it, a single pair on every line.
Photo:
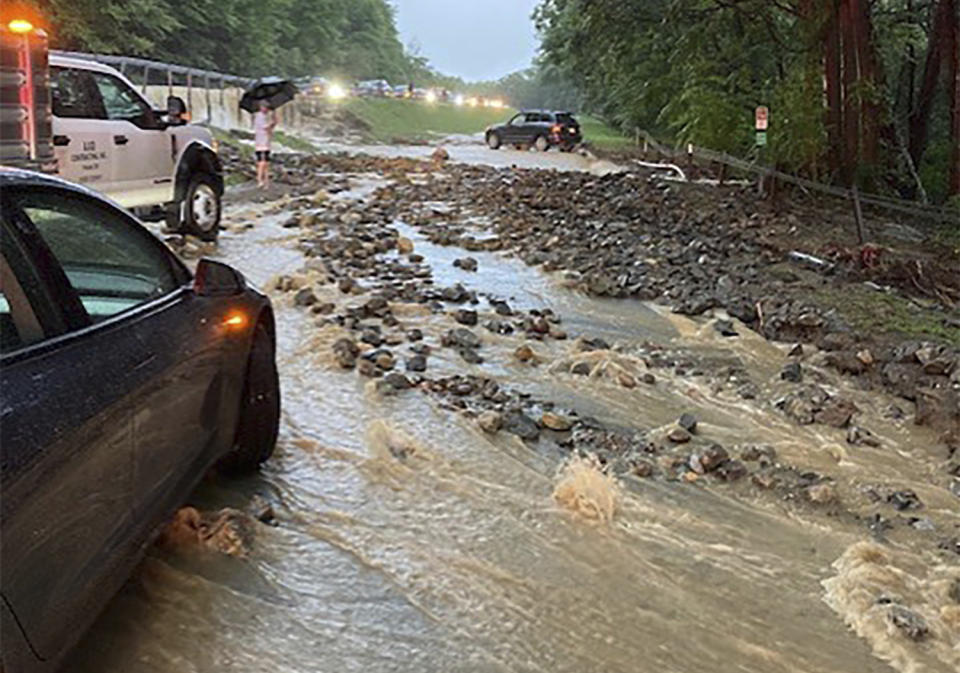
[408,540]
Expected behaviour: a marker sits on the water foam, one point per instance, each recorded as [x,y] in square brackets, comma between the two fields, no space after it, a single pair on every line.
[875,588]
[586,488]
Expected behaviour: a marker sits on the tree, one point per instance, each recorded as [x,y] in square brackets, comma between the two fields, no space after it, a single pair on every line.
[832,71]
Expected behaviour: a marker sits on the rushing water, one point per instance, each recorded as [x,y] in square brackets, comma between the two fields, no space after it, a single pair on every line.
[409,540]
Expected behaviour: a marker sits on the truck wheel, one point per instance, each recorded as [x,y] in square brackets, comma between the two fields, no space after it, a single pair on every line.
[493,140]
[202,212]
[541,143]
[259,420]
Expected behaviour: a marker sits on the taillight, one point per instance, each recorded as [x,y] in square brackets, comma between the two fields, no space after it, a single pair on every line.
[556,128]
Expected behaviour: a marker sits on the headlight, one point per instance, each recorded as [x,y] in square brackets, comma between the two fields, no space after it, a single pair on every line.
[431,97]
[336,92]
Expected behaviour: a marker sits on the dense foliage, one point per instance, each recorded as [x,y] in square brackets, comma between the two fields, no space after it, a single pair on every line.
[859,90]
[355,38]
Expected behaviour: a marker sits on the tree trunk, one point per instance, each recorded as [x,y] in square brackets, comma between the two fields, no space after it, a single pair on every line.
[953,81]
[834,115]
[870,81]
[851,117]
[920,116]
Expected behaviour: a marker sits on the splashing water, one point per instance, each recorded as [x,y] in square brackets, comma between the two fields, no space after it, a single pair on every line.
[585,487]
[904,612]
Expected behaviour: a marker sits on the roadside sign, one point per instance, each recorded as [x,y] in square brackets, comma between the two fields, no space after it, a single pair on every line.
[762,118]
[761,138]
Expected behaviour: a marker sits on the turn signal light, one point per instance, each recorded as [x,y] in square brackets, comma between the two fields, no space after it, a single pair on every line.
[235,320]
[20,26]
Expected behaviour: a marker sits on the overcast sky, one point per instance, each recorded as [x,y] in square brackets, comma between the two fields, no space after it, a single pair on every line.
[475,39]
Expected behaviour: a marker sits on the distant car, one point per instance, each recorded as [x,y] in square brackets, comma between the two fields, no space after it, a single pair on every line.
[313,86]
[539,128]
[374,87]
[401,91]
[123,378]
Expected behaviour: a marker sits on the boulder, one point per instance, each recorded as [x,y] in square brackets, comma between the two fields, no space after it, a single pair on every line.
[518,423]
[490,421]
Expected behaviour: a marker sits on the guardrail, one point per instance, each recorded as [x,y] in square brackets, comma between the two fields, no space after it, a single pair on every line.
[125,63]
[764,171]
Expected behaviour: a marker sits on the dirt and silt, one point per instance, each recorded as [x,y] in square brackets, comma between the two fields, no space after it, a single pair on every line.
[555,421]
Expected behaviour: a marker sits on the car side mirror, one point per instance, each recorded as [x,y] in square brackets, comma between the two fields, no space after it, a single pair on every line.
[214,279]
[176,110]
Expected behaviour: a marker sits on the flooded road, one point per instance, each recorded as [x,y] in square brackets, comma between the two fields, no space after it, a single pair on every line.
[409,539]
[472,150]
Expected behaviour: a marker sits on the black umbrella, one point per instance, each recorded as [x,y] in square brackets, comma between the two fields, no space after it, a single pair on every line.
[274,90]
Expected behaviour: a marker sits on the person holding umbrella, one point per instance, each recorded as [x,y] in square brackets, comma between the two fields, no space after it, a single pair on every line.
[264,121]
[261,99]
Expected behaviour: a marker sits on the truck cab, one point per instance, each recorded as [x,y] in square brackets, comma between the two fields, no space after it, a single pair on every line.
[89,124]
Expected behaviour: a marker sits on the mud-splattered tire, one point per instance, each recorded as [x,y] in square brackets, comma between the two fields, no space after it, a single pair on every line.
[200,208]
[493,140]
[541,143]
[259,421]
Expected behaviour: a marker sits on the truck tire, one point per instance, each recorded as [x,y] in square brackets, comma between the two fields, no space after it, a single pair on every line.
[259,420]
[541,143]
[493,140]
[201,214]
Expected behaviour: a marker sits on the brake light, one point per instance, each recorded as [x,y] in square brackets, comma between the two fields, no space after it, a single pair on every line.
[20,26]
[556,128]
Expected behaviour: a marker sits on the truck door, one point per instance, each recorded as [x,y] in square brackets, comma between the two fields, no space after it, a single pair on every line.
[82,144]
[143,149]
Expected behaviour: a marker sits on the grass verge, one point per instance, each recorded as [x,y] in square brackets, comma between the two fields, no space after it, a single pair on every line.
[887,313]
[406,120]
[597,133]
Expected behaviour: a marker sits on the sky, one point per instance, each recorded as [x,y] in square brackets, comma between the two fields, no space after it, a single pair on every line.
[475,39]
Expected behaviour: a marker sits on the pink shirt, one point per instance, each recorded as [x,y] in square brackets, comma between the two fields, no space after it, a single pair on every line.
[263,123]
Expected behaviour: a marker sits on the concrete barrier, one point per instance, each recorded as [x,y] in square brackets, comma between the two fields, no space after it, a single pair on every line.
[221,107]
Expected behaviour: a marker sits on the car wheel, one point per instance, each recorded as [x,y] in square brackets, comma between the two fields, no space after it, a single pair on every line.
[202,212]
[493,140]
[259,420]
[541,143]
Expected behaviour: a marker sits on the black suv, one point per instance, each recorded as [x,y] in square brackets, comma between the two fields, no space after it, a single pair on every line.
[539,128]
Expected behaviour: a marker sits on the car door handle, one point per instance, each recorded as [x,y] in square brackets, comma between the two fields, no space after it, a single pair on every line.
[120,140]
[61,141]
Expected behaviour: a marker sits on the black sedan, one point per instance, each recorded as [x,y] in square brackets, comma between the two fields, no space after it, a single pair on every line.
[539,128]
[123,378]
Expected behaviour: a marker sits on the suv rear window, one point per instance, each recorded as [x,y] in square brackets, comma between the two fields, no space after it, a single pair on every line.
[566,118]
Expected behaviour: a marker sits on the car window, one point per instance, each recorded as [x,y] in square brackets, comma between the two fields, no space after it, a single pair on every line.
[566,118]
[112,264]
[519,120]
[534,117]
[19,324]
[119,100]
[74,95]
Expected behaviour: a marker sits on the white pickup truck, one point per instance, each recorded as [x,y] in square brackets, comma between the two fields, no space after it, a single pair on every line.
[107,136]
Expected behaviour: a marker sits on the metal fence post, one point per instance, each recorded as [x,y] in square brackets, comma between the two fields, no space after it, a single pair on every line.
[858,214]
